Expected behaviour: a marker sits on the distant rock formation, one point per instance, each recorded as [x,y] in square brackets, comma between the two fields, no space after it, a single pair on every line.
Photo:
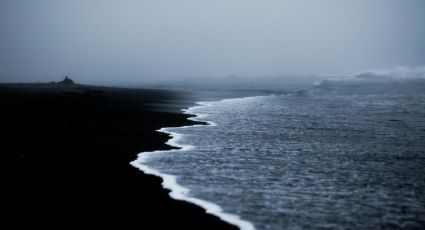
[67,80]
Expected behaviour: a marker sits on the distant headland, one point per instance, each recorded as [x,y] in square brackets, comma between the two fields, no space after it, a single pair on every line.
[66,81]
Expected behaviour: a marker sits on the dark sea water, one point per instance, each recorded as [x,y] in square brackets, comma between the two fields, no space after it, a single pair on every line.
[336,156]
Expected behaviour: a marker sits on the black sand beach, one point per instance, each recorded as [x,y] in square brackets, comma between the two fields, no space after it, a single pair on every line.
[71,146]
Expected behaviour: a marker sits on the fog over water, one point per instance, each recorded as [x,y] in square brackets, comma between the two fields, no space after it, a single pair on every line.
[132,42]
[323,119]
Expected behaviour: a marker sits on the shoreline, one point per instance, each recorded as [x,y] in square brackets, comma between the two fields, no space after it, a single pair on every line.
[178,191]
[72,146]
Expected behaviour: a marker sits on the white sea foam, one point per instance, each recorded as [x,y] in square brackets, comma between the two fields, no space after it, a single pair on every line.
[179,192]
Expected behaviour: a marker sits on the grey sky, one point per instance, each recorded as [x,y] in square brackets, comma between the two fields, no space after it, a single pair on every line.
[136,40]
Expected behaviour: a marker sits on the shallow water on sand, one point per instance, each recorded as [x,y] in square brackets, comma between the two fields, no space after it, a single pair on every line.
[308,161]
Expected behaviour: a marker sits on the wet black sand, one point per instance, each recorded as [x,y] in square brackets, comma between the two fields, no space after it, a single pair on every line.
[67,150]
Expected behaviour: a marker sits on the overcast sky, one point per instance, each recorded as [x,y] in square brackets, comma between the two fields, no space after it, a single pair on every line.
[135,40]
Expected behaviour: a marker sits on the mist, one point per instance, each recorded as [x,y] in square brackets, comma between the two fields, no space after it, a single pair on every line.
[136,42]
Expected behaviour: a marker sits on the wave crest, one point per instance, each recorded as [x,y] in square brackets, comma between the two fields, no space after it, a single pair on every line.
[400,79]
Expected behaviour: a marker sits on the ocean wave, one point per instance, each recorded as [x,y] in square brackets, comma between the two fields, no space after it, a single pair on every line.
[398,73]
[377,75]
[179,192]
[399,80]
